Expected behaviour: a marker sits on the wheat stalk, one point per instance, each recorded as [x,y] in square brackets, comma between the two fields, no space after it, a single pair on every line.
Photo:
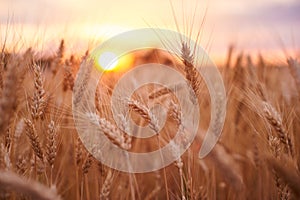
[229,56]
[176,115]
[222,158]
[1,76]
[153,193]
[84,75]
[58,59]
[28,187]
[5,162]
[8,101]
[294,68]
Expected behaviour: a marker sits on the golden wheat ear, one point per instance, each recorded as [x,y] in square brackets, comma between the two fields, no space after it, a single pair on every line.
[39,99]
[106,188]
[34,139]
[287,172]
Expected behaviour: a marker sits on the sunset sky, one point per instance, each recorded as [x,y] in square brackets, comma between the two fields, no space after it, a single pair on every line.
[252,25]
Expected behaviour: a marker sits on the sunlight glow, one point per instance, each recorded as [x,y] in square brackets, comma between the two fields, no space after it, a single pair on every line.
[109,61]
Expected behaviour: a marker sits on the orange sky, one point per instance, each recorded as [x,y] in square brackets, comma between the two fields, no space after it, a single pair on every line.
[252,25]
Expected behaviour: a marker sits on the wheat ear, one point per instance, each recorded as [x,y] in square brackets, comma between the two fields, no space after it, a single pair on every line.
[51,147]
[163,91]
[34,139]
[286,171]
[68,82]
[39,97]
[83,76]
[275,121]
[110,131]
[190,70]
[145,113]
[87,164]
[105,191]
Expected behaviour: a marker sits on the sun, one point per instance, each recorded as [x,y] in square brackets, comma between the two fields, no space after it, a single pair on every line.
[109,61]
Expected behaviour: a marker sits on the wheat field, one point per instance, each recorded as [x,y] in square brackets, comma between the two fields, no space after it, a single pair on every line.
[42,157]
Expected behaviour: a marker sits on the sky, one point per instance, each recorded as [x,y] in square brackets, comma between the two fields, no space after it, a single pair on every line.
[251,25]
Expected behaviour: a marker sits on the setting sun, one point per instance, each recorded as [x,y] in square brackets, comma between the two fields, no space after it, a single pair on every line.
[109,61]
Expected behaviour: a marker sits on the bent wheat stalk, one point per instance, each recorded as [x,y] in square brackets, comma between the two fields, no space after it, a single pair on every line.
[28,187]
